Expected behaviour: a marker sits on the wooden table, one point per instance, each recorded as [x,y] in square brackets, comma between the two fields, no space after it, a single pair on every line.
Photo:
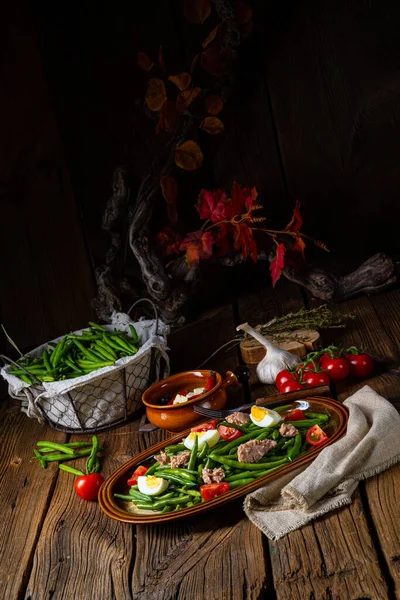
[53,545]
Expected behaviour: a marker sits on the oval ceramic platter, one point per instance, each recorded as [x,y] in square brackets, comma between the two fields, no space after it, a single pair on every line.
[117,481]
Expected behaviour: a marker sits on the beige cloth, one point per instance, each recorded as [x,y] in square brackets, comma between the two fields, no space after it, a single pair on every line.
[371,445]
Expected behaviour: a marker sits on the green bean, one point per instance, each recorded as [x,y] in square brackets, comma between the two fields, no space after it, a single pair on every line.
[306,423]
[203,452]
[54,446]
[193,454]
[200,468]
[280,408]
[111,344]
[233,426]
[129,498]
[124,345]
[71,364]
[295,449]
[89,355]
[248,466]
[189,492]
[288,443]
[62,457]
[166,495]
[162,503]
[96,326]
[167,508]
[47,378]
[174,478]
[139,496]
[26,379]
[91,366]
[106,348]
[184,473]
[175,448]
[40,458]
[134,335]
[91,460]
[70,470]
[244,438]
[209,463]
[240,482]
[47,361]
[153,468]
[321,416]
[275,434]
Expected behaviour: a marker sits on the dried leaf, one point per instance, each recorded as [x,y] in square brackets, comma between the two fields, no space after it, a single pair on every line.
[197,245]
[169,189]
[168,116]
[214,104]
[210,60]
[321,245]
[251,198]
[197,11]
[155,94]
[278,264]
[211,36]
[245,242]
[299,246]
[182,81]
[161,59]
[194,62]
[189,156]
[212,205]
[169,241]
[243,12]
[186,98]
[212,125]
[144,62]
[297,221]
[238,202]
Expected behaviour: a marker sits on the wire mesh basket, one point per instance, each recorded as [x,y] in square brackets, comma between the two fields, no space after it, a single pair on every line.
[103,399]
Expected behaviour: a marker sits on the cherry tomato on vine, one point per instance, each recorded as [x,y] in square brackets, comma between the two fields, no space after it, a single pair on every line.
[87,486]
[328,356]
[361,365]
[283,377]
[336,368]
[312,379]
[290,386]
[229,433]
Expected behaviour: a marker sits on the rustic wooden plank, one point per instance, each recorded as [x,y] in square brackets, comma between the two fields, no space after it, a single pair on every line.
[332,558]
[223,544]
[26,491]
[81,552]
[47,273]
[387,306]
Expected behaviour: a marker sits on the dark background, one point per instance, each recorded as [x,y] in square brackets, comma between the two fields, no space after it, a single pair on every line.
[315,117]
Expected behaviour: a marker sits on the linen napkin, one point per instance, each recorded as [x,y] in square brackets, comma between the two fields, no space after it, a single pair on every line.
[371,445]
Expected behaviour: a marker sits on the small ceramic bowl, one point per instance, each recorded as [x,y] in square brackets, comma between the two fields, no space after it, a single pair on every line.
[177,417]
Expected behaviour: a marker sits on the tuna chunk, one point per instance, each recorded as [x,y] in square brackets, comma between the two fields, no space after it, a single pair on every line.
[253,450]
[288,430]
[238,418]
[162,458]
[213,475]
[180,460]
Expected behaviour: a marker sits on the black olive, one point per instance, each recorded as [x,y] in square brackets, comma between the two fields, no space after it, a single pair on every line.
[164,400]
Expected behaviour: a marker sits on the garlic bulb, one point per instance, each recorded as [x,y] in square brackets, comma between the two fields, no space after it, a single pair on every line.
[274,361]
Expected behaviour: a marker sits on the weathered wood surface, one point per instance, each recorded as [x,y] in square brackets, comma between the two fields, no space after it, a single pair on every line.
[70,549]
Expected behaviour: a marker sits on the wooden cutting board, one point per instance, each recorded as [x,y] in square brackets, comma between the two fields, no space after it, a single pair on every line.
[299,342]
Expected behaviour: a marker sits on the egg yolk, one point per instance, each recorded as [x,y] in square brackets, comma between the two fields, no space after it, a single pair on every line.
[152,481]
[200,435]
[258,413]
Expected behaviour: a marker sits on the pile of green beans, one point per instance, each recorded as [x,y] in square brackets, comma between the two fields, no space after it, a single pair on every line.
[47,452]
[77,355]
[184,483]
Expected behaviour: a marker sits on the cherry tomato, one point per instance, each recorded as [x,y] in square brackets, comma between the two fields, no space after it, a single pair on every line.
[283,377]
[205,426]
[336,368]
[294,415]
[312,379]
[315,436]
[87,486]
[310,367]
[141,470]
[229,433]
[361,365]
[327,356]
[212,490]
[290,386]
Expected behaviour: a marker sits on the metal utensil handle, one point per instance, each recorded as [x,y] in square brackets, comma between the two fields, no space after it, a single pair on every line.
[153,306]
[11,362]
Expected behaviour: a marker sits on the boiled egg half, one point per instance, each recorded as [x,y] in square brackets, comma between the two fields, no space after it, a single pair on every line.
[263,417]
[152,486]
[211,437]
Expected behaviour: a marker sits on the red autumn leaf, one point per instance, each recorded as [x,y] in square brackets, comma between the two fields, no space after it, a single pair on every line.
[278,264]
[222,239]
[169,241]
[197,245]
[182,81]
[169,189]
[297,221]
[238,203]
[144,62]
[186,98]
[244,241]
[212,205]
[210,60]
[167,118]
[212,125]
[161,59]
[251,198]
[188,156]
[243,12]
[299,246]
[214,104]
[156,94]
[211,36]
[197,11]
